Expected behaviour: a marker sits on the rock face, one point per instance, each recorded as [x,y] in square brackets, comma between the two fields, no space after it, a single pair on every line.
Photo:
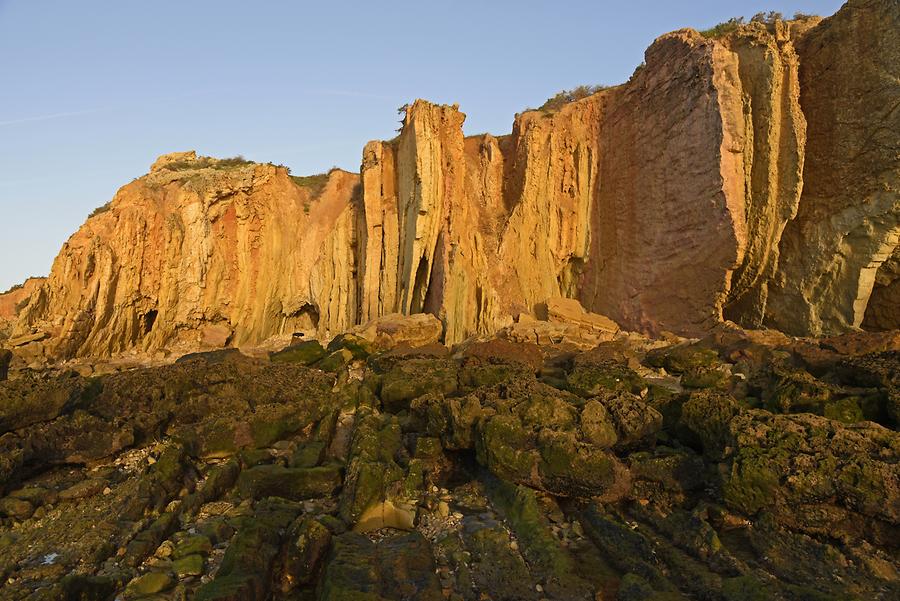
[12,302]
[750,177]
[848,222]
[202,253]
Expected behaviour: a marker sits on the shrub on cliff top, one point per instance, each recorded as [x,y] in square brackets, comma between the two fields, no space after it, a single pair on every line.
[203,162]
[723,28]
[735,22]
[565,97]
[13,288]
[101,209]
[314,184]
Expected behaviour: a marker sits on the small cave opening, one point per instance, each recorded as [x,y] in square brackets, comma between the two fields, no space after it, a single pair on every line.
[883,308]
[420,287]
[148,319]
[304,322]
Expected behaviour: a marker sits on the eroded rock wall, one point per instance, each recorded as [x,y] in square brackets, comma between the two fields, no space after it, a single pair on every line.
[848,220]
[205,255]
[479,229]
[751,177]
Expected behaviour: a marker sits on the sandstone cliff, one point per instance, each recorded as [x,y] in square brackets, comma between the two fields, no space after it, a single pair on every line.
[751,177]
[848,222]
[201,253]
[12,301]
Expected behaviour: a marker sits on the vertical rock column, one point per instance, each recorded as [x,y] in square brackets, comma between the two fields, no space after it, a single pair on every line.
[848,220]
[773,154]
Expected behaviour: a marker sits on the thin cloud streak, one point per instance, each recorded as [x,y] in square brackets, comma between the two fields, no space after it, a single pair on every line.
[48,117]
[106,109]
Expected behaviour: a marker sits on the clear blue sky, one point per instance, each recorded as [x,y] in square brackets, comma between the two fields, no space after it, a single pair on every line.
[91,92]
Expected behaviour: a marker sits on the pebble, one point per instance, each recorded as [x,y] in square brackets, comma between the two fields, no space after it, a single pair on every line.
[514,545]
[443,509]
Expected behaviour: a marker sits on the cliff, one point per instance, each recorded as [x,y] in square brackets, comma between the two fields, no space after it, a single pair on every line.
[201,253]
[750,177]
[12,301]
[848,222]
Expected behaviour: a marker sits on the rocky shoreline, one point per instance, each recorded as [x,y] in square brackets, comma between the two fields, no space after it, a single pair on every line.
[746,465]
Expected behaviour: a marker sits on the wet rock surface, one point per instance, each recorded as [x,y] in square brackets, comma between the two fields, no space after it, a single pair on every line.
[733,468]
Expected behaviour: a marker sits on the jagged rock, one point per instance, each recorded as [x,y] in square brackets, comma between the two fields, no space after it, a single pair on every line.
[290,483]
[816,474]
[308,542]
[512,489]
[569,310]
[411,379]
[594,374]
[12,301]
[544,333]
[166,160]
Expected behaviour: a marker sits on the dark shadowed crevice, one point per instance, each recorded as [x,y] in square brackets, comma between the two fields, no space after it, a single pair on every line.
[149,319]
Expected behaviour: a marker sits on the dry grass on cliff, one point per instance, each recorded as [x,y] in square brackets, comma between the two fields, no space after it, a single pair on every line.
[561,99]
[565,97]
[735,23]
[314,184]
[204,162]
[101,209]
[12,289]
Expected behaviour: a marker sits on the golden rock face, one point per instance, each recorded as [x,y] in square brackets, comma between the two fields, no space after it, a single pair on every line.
[751,177]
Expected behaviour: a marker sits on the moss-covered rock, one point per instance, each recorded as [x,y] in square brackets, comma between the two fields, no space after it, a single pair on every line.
[150,583]
[846,410]
[359,347]
[290,483]
[529,434]
[398,567]
[307,543]
[783,463]
[30,399]
[589,379]
[636,423]
[189,565]
[705,419]
[335,361]
[411,379]
[597,425]
[373,472]
[555,567]
[196,544]
[453,420]
[304,353]
[787,388]
[246,570]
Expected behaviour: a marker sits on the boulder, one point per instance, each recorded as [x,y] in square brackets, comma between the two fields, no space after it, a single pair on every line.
[389,331]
